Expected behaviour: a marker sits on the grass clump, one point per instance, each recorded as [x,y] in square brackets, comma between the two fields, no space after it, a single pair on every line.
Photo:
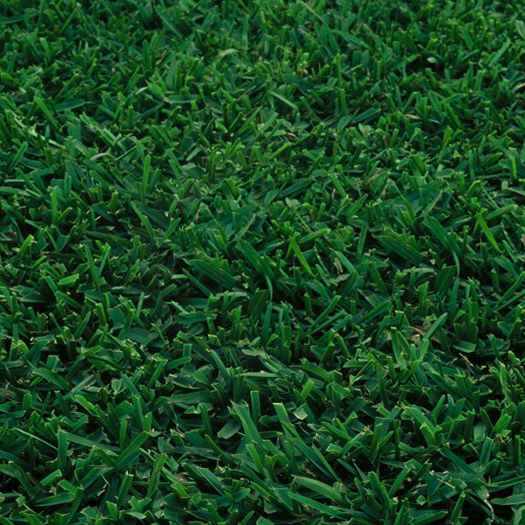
[262,262]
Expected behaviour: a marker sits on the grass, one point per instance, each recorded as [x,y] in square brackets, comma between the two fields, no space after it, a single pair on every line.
[262,262]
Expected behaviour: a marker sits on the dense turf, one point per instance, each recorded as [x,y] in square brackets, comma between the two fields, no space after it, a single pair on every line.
[262,262]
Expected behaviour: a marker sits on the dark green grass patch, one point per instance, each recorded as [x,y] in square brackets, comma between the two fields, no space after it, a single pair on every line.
[262,262]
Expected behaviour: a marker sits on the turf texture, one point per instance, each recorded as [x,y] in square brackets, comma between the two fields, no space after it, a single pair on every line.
[262,262]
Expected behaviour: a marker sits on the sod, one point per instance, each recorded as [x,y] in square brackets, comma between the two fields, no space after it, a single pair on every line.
[262,262]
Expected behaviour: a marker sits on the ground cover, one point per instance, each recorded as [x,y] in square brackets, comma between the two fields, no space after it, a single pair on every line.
[262,262]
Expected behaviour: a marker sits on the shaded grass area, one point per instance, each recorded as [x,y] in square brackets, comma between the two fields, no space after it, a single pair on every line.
[262,262]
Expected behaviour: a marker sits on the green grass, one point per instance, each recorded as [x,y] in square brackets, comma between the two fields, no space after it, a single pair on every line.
[262,262]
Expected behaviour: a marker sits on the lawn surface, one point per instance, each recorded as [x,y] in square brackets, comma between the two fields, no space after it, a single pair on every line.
[262,262]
